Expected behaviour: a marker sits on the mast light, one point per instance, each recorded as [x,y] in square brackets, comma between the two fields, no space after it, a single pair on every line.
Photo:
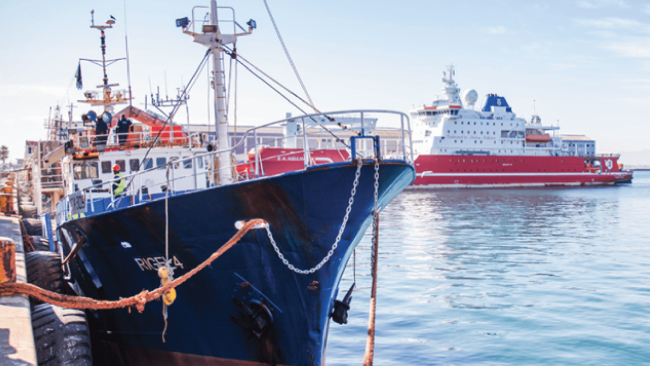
[182,22]
[251,23]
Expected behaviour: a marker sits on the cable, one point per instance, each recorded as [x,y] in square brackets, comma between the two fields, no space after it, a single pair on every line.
[227,51]
[286,51]
[185,91]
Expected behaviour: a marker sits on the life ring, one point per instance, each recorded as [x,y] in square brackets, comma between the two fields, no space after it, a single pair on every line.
[609,164]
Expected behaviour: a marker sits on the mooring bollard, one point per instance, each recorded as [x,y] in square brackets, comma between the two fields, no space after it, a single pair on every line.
[8,262]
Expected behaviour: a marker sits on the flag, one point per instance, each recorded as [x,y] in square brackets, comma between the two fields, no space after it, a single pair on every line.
[77,76]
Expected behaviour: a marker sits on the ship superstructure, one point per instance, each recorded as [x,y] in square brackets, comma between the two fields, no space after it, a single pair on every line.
[459,146]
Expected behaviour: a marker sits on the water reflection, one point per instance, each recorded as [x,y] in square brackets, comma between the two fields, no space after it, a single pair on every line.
[504,276]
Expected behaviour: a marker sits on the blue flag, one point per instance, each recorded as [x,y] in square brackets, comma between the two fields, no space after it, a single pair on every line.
[77,76]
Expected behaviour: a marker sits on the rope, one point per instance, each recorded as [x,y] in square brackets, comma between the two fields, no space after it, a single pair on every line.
[139,300]
[374,256]
[73,252]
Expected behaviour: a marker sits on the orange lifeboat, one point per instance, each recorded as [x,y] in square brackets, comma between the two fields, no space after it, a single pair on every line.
[538,138]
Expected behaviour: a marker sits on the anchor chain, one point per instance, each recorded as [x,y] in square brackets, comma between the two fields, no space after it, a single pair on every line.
[338,237]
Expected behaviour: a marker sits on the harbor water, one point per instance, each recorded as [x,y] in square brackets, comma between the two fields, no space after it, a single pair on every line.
[546,276]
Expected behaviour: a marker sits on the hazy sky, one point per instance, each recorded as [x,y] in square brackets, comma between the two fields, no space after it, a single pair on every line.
[586,63]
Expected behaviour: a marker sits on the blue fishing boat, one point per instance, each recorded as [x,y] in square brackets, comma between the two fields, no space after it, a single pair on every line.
[267,300]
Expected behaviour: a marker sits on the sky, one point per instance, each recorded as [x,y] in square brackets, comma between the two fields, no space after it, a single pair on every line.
[584,64]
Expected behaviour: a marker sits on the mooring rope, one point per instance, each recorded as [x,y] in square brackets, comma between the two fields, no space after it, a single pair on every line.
[139,300]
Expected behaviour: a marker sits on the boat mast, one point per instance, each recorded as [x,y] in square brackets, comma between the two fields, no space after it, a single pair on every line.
[212,37]
[221,119]
[101,28]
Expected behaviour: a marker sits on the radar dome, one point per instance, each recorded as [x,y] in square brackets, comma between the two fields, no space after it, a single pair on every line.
[470,97]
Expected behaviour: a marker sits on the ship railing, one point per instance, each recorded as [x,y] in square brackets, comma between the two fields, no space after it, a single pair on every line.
[312,126]
[359,138]
[51,178]
[606,155]
[143,139]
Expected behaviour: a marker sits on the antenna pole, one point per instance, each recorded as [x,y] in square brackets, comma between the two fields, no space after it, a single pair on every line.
[225,173]
[128,64]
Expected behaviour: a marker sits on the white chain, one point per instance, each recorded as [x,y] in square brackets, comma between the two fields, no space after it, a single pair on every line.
[338,238]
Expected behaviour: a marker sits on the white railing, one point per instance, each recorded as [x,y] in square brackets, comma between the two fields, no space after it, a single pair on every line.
[310,126]
[139,139]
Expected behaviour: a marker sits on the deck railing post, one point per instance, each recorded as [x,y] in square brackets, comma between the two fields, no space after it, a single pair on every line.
[305,145]
[257,161]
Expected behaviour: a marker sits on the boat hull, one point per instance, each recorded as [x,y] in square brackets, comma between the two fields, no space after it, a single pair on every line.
[305,210]
[477,171]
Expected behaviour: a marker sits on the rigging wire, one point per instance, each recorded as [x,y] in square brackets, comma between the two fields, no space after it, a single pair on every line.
[338,139]
[286,51]
[190,84]
[238,56]
[277,82]
[128,64]
[236,88]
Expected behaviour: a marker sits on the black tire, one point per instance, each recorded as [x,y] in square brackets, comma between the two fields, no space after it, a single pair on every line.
[33,226]
[44,270]
[61,336]
[41,243]
[28,211]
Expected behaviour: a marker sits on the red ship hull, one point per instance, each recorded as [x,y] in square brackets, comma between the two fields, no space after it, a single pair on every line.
[469,171]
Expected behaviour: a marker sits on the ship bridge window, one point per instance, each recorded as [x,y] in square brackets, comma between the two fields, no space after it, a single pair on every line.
[86,170]
[147,163]
[427,133]
[106,167]
[134,164]
[161,162]
[122,165]
[187,164]
[174,162]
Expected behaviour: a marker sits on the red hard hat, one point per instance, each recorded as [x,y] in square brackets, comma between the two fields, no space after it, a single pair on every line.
[116,167]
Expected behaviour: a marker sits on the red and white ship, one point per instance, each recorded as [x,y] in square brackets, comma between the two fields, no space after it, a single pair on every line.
[459,146]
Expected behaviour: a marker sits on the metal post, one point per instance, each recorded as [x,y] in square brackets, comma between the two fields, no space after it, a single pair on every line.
[173,178]
[305,145]
[257,161]
[403,140]
[92,204]
[193,161]
[140,184]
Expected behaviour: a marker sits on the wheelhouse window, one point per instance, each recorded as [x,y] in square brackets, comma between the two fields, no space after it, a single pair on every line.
[147,163]
[106,167]
[175,165]
[85,170]
[161,162]
[122,165]
[187,163]
[134,164]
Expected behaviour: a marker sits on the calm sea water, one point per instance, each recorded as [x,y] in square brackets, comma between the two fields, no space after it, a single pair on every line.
[553,276]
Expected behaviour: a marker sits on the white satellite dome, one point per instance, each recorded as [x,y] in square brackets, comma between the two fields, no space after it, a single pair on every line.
[470,97]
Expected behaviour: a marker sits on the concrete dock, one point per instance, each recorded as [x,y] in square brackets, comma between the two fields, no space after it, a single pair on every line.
[16,336]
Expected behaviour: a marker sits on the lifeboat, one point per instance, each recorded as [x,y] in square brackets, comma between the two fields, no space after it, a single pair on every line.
[538,138]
